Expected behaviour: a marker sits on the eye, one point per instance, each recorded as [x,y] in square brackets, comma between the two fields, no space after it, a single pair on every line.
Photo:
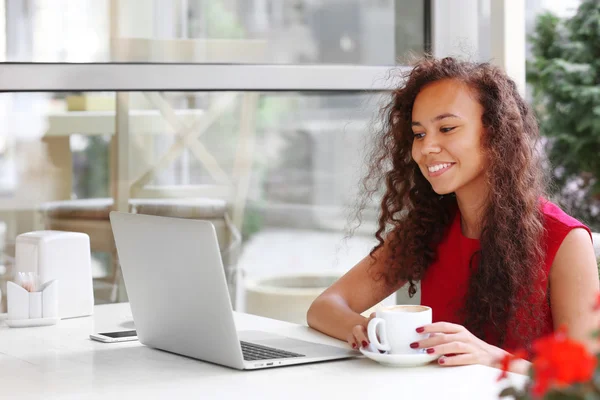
[418,136]
[447,129]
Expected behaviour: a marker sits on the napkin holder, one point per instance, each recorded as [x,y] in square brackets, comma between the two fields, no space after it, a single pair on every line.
[32,308]
[64,256]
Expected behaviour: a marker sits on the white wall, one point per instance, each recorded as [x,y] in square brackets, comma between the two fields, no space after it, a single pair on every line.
[482,30]
[455,26]
[507,23]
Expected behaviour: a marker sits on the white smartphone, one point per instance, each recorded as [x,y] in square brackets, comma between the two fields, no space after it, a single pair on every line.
[113,337]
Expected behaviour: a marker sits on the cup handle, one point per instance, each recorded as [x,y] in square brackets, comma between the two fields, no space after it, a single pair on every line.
[384,345]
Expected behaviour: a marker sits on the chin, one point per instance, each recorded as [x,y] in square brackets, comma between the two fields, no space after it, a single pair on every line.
[443,190]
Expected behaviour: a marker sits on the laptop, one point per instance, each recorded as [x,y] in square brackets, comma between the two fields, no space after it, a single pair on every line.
[180,300]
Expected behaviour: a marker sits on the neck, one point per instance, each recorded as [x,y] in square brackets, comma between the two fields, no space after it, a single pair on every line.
[471,204]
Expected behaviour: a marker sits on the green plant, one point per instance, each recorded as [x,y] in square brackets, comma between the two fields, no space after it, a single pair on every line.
[223,23]
[564,73]
[92,180]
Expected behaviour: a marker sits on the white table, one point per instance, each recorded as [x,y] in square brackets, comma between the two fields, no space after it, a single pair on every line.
[62,362]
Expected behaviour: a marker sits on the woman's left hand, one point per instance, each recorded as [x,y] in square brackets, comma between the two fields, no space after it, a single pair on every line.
[457,346]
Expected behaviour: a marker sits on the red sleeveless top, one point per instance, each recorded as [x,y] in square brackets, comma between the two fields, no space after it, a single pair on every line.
[444,286]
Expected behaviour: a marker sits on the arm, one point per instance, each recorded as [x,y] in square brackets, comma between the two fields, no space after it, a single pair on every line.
[574,286]
[336,312]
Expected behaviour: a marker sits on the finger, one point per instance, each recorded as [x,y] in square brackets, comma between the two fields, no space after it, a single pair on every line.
[460,359]
[441,327]
[354,338]
[360,334]
[352,341]
[451,348]
[434,340]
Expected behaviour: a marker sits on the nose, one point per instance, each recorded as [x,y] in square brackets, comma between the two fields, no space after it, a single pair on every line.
[430,145]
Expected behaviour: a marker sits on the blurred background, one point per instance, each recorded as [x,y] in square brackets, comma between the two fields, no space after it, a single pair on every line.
[275,163]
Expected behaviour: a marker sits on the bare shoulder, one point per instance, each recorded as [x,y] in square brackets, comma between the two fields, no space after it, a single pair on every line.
[576,251]
[574,284]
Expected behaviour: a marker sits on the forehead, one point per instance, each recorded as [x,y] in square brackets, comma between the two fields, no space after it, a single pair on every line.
[446,96]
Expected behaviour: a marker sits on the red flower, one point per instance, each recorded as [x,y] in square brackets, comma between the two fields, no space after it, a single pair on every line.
[507,360]
[560,361]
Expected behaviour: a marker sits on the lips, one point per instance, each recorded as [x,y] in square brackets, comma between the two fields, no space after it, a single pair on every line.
[439,168]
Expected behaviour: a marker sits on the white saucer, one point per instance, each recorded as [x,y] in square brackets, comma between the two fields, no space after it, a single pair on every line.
[400,360]
[23,323]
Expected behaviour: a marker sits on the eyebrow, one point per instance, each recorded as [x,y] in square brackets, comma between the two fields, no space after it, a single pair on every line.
[438,118]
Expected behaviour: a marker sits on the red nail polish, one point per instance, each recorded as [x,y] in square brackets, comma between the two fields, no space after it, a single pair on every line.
[420,330]
[353,345]
[365,344]
[430,351]
[414,345]
[441,361]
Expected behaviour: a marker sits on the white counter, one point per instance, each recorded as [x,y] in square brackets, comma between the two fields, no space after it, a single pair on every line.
[62,362]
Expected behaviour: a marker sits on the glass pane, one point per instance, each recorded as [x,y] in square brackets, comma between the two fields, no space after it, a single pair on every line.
[367,32]
[285,167]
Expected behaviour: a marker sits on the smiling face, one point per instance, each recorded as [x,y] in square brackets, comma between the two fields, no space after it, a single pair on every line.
[447,128]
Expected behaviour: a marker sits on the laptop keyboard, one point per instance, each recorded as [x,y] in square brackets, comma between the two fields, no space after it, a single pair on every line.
[253,352]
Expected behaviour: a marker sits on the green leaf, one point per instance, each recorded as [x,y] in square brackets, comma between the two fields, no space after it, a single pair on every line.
[591,396]
[509,391]
[596,378]
[565,395]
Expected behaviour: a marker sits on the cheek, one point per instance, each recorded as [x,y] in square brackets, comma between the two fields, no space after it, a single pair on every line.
[478,154]
[415,153]
[475,159]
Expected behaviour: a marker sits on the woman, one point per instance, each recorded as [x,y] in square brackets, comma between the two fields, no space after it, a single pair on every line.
[464,213]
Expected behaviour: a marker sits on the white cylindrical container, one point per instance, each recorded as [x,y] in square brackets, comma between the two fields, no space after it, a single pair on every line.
[50,300]
[35,305]
[17,300]
[287,297]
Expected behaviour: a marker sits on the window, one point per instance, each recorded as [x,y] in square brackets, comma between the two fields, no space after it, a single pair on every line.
[365,32]
[264,105]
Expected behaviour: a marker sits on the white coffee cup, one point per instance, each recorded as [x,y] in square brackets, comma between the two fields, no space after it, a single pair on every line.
[394,328]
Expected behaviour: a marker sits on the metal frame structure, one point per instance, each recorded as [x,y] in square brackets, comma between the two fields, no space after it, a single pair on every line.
[126,77]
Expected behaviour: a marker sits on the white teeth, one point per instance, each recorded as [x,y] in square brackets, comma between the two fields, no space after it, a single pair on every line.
[438,167]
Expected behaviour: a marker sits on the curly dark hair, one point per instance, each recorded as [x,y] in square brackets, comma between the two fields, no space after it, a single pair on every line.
[413,218]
